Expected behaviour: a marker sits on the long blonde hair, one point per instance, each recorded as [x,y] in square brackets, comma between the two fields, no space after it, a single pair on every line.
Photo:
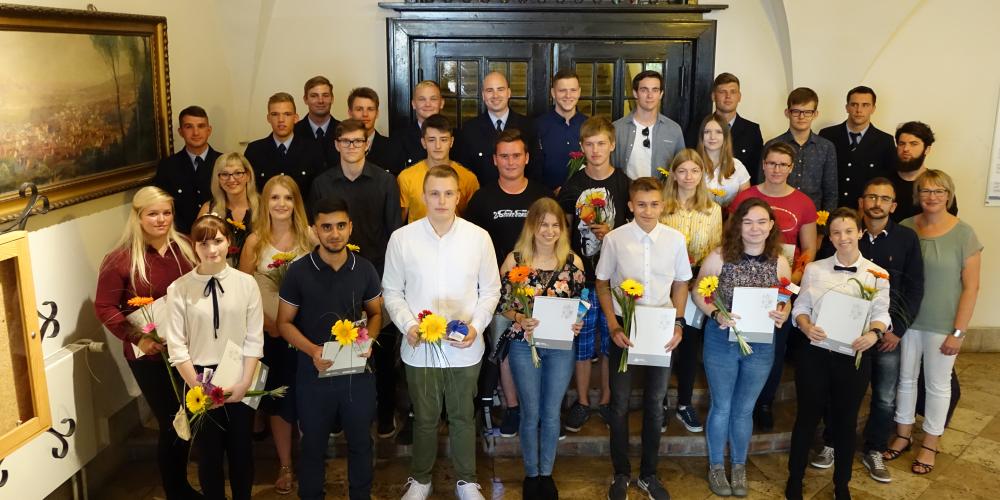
[701,201]
[525,245]
[262,218]
[219,195]
[727,165]
[134,241]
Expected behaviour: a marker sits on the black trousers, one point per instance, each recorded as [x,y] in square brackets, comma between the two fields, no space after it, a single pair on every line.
[226,433]
[385,354]
[171,451]
[824,378]
[685,363]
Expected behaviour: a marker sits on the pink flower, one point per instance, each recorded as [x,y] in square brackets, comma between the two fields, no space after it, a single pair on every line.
[217,395]
[362,335]
[148,328]
[576,155]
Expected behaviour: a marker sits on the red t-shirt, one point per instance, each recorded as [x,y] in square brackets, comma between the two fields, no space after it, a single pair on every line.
[791,211]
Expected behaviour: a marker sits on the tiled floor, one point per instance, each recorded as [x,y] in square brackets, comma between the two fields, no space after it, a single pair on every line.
[968,466]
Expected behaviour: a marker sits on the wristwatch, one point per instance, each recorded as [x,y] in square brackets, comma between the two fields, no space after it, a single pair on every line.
[958,334]
[878,333]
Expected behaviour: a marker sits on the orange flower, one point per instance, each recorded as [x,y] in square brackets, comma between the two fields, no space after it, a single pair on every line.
[878,274]
[140,301]
[519,274]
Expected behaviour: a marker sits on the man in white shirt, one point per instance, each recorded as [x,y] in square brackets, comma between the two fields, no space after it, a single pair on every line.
[646,139]
[655,255]
[446,265]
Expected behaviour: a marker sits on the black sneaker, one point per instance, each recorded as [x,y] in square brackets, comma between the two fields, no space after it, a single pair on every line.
[562,433]
[405,435]
[577,416]
[511,422]
[653,489]
[605,412]
[338,428]
[386,430]
[764,418]
[547,488]
[619,488]
[529,488]
[689,417]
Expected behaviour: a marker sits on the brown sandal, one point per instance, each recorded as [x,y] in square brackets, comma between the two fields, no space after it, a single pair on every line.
[924,468]
[891,454]
[283,485]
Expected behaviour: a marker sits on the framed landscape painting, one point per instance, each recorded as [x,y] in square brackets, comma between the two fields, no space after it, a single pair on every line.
[84,103]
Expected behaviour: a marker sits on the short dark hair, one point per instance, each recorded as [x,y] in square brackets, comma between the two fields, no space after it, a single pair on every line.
[643,185]
[920,130]
[329,205]
[196,111]
[314,81]
[646,74]
[778,147]
[861,89]
[363,92]
[564,74]
[725,78]
[436,122]
[845,213]
[879,181]
[209,225]
[348,126]
[802,95]
[510,135]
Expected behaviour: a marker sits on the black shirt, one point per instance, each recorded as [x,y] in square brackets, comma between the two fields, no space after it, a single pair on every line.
[323,296]
[386,153]
[897,250]
[906,205]
[373,202]
[582,240]
[408,136]
[502,214]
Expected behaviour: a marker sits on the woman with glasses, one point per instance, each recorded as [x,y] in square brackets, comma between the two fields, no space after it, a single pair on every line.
[724,174]
[234,199]
[952,256]
[795,215]
[688,208]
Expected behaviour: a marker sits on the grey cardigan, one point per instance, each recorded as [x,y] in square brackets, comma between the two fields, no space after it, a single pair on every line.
[667,140]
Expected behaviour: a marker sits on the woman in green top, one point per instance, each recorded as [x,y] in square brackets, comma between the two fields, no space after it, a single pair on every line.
[952,255]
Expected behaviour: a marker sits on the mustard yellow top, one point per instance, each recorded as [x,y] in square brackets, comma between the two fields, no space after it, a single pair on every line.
[702,231]
[411,189]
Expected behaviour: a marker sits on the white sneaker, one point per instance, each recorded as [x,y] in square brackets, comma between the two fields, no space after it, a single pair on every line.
[468,491]
[416,490]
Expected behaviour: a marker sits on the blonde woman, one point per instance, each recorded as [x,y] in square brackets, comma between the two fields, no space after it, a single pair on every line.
[280,227]
[234,199]
[149,256]
[723,172]
[556,271]
[689,208]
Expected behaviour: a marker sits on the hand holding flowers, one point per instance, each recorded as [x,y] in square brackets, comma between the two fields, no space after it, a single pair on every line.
[626,294]
[706,288]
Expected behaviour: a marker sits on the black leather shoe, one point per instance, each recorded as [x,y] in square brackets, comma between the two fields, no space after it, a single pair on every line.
[530,488]
[764,418]
[547,488]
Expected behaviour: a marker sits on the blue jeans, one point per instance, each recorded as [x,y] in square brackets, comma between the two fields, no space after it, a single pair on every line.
[734,382]
[540,392]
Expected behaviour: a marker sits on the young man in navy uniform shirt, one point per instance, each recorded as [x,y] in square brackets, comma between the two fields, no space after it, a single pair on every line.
[283,153]
[187,174]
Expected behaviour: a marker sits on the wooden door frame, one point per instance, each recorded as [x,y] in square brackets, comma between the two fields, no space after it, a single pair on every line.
[545,21]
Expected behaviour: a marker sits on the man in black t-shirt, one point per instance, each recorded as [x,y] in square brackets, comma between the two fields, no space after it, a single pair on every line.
[913,143]
[500,208]
[589,221]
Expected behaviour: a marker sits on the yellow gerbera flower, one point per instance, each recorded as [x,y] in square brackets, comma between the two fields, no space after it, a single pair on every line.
[354,248]
[237,224]
[664,172]
[632,288]
[432,328]
[717,192]
[344,332]
[708,285]
[284,256]
[196,400]
[821,217]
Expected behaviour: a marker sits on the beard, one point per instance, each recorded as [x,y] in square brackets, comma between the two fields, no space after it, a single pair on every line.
[910,165]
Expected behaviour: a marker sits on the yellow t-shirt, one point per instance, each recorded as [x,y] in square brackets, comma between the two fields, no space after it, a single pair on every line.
[411,189]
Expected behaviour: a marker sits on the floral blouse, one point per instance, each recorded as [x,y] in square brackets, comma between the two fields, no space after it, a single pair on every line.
[568,283]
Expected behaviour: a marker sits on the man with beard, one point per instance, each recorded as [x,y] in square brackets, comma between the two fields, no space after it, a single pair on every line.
[913,142]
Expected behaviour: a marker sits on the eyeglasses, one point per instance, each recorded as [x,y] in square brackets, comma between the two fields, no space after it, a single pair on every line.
[805,113]
[225,176]
[354,143]
[777,166]
[875,197]
[933,192]
[645,133]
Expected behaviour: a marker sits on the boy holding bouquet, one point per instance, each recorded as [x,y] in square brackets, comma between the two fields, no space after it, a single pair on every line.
[439,269]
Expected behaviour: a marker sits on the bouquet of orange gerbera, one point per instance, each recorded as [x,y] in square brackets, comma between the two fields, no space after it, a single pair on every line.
[145,304]
[524,296]
[868,293]
[626,294]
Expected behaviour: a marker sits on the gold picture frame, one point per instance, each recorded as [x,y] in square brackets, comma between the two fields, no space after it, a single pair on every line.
[86,111]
